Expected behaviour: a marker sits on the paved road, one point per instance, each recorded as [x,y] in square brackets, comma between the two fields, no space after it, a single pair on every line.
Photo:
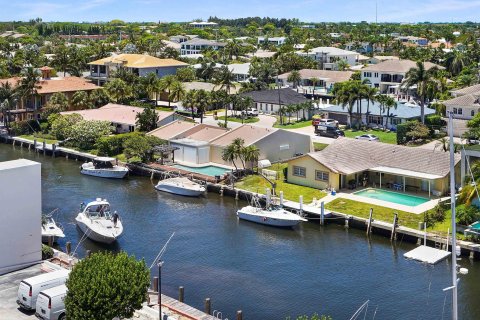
[8,293]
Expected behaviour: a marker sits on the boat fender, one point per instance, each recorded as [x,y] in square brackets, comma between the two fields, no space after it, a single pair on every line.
[264,218]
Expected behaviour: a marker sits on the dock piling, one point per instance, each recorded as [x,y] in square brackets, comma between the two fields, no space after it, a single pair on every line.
[472,254]
[221,191]
[151,175]
[50,241]
[236,194]
[322,213]
[369,226]
[301,203]
[181,294]
[89,253]
[239,315]
[68,247]
[35,145]
[208,306]
[281,198]
[155,284]
[347,218]
[44,147]
[393,236]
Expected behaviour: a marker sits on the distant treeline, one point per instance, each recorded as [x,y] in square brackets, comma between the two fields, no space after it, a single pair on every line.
[242,22]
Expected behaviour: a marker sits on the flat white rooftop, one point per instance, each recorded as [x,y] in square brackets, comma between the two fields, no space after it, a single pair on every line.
[427,254]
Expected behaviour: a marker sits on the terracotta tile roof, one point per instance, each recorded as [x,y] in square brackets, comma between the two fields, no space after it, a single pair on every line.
[400,66]
[116,113]
[173,129]
[69,84]
[468,100]
[13,81]
[333,76]
[249,133]
[475,89]
[139,61]
[347,156]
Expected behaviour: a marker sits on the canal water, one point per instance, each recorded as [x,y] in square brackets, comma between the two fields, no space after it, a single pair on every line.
[266,272]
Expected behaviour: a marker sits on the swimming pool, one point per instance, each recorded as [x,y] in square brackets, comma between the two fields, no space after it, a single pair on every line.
[395,197]
[207,170]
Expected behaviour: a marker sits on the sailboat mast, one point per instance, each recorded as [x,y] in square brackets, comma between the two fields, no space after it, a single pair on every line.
[454,226]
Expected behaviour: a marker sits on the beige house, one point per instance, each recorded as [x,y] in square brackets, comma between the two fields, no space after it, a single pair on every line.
[349,163]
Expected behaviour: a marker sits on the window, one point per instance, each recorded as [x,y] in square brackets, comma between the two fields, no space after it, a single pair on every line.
[376,74]
[271,107]
[321,175]
[460,111]
[284,147]
[367,74]
[472,113]
[395,121]
[299,171]
[454,110]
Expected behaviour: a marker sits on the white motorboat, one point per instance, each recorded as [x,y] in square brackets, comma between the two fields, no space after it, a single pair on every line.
[50,229]
[104,167]
[272,216]
[98,223]
[181,186]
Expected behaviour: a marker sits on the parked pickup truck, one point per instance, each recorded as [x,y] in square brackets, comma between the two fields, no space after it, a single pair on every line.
[250,112]
[325,122]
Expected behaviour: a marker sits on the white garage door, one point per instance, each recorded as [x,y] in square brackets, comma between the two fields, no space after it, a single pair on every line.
[190,154]
[203,155]
[178,153]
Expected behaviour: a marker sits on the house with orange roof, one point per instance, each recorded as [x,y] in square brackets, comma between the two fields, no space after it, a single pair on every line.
[139,64]
[122,117]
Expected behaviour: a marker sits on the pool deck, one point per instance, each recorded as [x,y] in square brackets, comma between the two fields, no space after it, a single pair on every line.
[176,171]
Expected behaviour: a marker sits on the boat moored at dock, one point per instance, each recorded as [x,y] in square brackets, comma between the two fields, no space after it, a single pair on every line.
[50,229]
[272,216]
[104,167]
[181,186]
[98,223]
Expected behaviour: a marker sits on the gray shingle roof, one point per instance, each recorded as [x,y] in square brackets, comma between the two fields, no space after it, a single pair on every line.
[199,42]
[347,156]
[287,96]
[400,66]
[468,90]
[469,100]
[403,111]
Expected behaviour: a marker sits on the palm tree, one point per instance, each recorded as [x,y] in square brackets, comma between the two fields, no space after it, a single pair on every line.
[202,101]
[177,91]
[27,87]
[344,98]
[239,146]
[61,59]
[295,78]
[291,108]
[251,154]
[151,84]
[224,79]
[81,100]
[188,102]
[422,78]
[165,84]
[455,62]
[389,102]
[314,82]
[8,101]
[118,91]
[369,95]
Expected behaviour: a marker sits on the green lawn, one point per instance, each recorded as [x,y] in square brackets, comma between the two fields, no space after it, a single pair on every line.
[319,146]
[442,228]
[256,183]
[293,125]
[235,119]
[164,109]
[39,139]
[362,210]
[386,137]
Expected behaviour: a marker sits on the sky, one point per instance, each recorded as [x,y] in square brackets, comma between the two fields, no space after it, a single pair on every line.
[188,10]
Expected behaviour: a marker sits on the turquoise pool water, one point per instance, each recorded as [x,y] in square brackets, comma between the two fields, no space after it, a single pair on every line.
[394,197]
[207,170]
[475,226]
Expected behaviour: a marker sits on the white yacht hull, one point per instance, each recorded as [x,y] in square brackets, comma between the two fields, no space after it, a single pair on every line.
[51,230]
[269,219]
[94,235]
[45,238]
[181,186]
[104,173]
[179,191]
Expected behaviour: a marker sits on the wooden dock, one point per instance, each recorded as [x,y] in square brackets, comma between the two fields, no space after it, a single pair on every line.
[184,311]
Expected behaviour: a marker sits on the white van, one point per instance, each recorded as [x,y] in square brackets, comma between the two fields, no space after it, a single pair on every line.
[50,303]
[30,288]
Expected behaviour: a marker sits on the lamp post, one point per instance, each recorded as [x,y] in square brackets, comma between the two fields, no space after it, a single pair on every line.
[160,264]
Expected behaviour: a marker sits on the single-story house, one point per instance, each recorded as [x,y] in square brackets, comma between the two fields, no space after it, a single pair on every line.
[274,144]
[376,116]
[122,117]
[349,162]
[270,101]
[241,71]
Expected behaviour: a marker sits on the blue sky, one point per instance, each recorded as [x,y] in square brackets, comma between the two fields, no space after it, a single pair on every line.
[186,10]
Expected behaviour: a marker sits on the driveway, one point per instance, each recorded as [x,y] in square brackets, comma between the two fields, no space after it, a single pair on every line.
[310,130]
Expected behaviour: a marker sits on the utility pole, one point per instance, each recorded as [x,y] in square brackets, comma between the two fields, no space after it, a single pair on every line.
[454,225]
[376,11]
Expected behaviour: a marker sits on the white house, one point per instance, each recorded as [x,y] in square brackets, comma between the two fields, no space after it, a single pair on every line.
[277,41]
[197,45]
[20,230]
[466,102]
[140,64]
[202,24]
[328,57]
[388,75]
[240,71]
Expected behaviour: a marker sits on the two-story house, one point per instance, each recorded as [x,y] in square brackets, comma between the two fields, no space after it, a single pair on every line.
[387,76]
[197,45]
[328,57]
[466,102]
[277,41]
[140,64]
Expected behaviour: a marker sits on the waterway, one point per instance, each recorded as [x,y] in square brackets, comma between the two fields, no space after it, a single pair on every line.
[266,272]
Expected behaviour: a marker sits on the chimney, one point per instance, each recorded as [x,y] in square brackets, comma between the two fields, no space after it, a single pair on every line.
[46,71]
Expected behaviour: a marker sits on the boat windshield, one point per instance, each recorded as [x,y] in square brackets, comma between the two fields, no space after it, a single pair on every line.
[99,211]
[102,164]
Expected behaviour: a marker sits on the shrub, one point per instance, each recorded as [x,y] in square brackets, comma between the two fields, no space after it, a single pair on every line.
[113,145]
[467,215]
[62,125]
[47,252]
[84,134]
[20,127]
[402,130]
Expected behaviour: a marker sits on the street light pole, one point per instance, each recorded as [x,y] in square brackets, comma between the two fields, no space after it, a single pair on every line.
[160,264]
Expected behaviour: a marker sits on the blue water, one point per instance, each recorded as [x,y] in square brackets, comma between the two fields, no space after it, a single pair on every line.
[207,170]
[395,197]
[476,225]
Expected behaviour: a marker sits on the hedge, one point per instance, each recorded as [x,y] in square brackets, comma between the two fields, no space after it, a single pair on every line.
[113,145]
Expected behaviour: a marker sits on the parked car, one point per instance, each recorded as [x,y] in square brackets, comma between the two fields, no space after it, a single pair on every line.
[368,137]
[328,131]
[250,112]
[325,122]
[29,289]
[50,303]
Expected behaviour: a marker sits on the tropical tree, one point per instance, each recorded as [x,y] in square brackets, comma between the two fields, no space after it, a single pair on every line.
[99,97]
[251,154]
[177,91]
[389,102]
[455,61]
[117,283]
[188,102]
[147,120]
[28,86]
[118,90]
[422,78]
[229,154]
[61,59]
[151,83]
[369,96]
[295,78]
[202,101]
[81,101]
[224,79]
[344,97]
[8,101]
[314,81]
[166,84]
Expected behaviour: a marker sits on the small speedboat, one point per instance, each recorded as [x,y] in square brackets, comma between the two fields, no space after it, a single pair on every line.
[50,229]
[181,186]
[98,223]
[272,216]
[104,167]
